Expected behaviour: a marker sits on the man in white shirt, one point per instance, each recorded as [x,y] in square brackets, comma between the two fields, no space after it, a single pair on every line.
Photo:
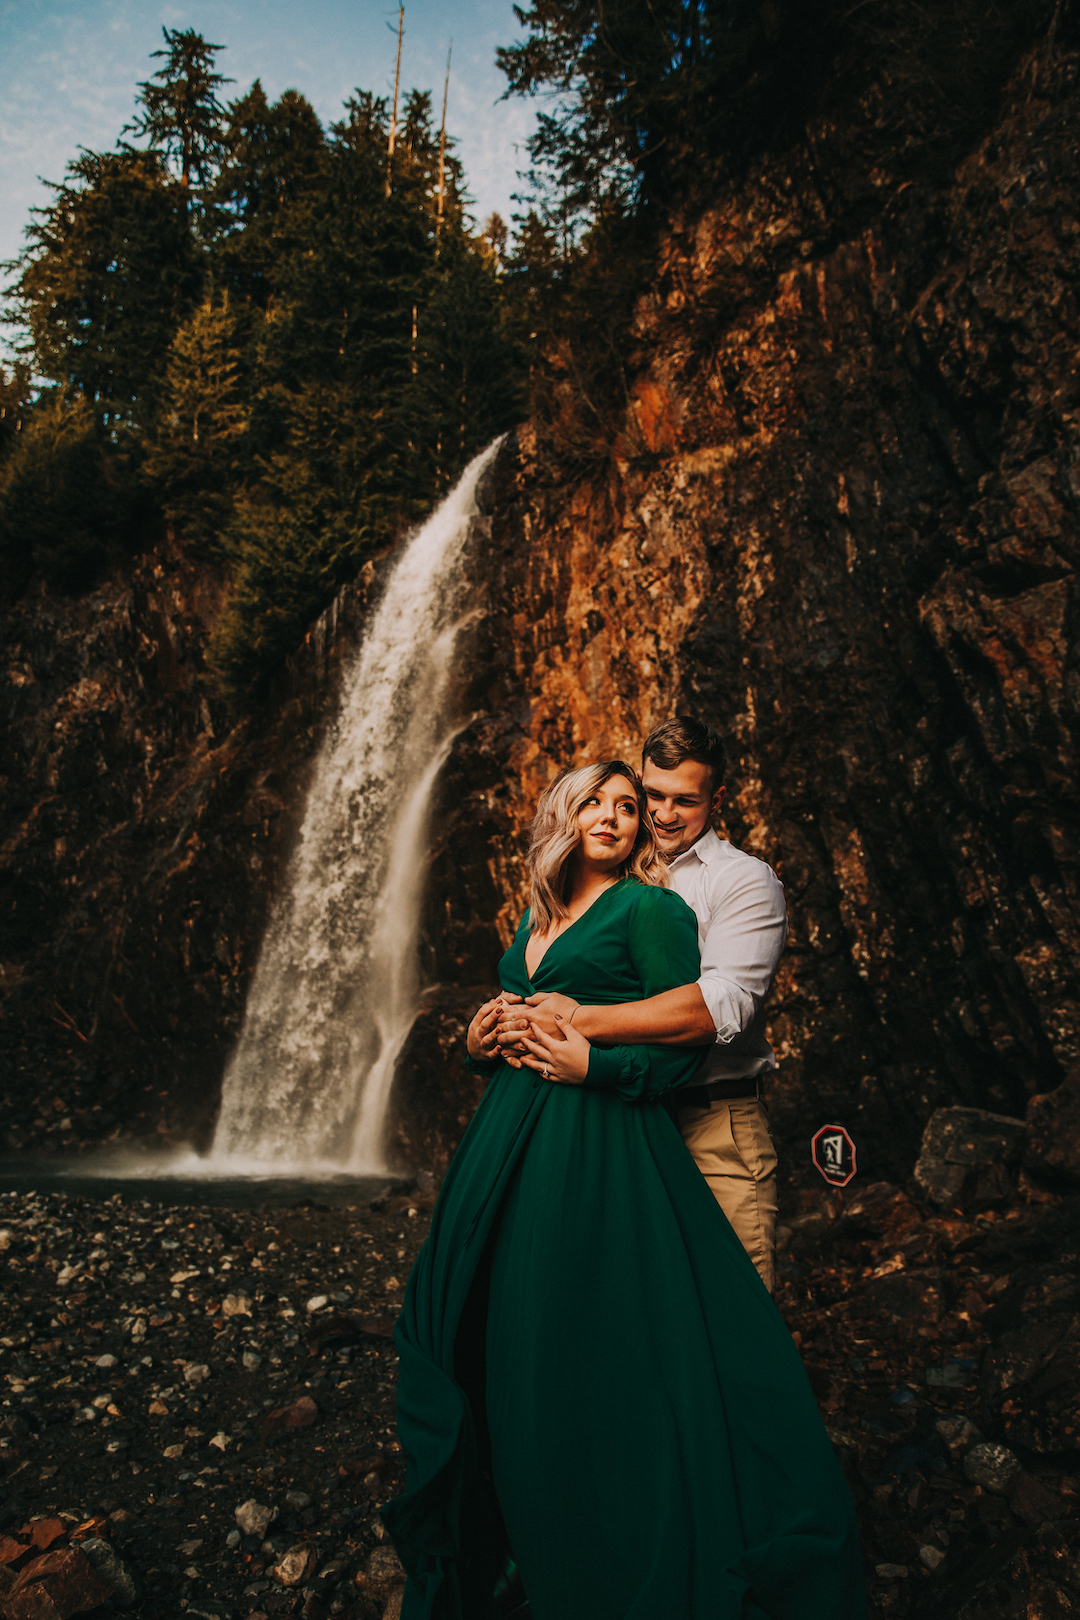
[742,927]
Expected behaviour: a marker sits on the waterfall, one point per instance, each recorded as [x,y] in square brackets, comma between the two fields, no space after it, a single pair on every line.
[335,989]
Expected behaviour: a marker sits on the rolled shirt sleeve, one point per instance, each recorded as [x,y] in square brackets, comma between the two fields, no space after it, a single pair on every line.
[742,926]
[741,948]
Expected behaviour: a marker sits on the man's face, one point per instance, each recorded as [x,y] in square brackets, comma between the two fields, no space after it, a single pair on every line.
[681,802]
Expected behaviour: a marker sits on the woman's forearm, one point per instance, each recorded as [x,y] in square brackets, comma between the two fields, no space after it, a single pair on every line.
[673,1018]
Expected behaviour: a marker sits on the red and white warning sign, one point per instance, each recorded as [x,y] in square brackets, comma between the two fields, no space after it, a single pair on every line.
[834,1154]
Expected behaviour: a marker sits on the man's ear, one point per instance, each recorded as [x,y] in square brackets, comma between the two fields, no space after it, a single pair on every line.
[717,801]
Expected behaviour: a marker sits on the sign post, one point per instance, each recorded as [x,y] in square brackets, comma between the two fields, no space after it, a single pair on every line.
[833,1153]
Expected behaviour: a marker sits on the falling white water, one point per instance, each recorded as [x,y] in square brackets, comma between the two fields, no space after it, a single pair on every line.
[335,990]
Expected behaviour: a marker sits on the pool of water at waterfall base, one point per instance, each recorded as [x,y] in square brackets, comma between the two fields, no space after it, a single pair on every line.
[176,1187]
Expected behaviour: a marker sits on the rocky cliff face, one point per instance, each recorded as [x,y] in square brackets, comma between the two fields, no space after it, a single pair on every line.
[841,524]
[839,521]
[143,833]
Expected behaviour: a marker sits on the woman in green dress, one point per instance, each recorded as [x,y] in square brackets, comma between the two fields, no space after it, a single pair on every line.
[593,1379]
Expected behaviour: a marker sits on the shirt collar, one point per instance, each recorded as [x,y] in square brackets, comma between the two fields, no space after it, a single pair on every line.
[706,849]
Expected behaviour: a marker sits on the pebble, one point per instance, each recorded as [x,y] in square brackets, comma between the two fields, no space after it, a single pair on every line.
[295,1565]
[992,1467]
[111,1566]
[953,1375]
[384,1572]
[891,1572]
[255,1518]
[106,1361]
[930,1557]
[958,1432]
[317,1302]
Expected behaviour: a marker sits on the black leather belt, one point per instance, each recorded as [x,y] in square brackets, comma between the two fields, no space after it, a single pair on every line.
[719,1091]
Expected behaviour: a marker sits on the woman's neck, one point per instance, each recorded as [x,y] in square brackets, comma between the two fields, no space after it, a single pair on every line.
[587,881]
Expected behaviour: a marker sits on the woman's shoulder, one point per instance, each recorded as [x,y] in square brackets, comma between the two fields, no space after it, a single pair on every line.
[655,901]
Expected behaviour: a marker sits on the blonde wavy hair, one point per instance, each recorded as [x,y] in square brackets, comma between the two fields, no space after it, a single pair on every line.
[556,835]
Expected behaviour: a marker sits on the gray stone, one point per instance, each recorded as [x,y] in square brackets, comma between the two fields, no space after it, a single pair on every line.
[951,1376]
[384,1573]
[992,1467]
[255,1518]
[958,1432]
[108,1563]
[969,1155]
[196,1373]
[974,1136]
[891,1572]
[930,1556]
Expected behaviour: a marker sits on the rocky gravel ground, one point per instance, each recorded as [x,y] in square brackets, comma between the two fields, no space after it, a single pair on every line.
[199,1405]
[943,1350]
[198,1413]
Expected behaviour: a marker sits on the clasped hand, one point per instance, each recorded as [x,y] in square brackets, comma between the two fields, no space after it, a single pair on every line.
[541,1038]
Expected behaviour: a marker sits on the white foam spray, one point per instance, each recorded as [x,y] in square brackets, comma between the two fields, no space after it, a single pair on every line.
[336,988]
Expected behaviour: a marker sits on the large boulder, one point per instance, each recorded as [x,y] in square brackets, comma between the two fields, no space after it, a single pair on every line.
[1053,1144]
[969,1157]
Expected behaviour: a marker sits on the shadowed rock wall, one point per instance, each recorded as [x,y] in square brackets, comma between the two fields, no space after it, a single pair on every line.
[839,520]
[842,526]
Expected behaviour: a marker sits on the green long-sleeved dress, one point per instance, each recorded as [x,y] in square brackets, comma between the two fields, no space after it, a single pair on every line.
[592,1375]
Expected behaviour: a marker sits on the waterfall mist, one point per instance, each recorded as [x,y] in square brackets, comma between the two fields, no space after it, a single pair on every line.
[335,990]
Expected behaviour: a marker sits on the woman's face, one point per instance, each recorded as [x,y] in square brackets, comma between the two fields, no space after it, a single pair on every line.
[609,824]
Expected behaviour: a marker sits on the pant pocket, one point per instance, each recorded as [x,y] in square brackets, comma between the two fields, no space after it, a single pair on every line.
[753,1143]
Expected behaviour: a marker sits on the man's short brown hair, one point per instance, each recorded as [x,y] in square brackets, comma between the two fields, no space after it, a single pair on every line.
[686,738]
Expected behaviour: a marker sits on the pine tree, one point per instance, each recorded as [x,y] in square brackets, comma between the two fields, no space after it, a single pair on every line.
[110,272]
[71,502]
[181,114]
[271,179]
[195,455]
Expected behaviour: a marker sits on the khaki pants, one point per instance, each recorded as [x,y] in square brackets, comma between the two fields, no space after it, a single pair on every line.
[732,1147]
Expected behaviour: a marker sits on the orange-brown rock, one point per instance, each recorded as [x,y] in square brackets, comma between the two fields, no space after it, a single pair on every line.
[55,1586]
[847,537]
[44,1533]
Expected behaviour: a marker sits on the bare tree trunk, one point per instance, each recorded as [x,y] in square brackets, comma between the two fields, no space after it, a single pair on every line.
[442,152]
[393,115]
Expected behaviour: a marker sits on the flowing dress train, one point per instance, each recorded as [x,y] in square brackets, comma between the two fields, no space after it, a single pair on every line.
[592,1374]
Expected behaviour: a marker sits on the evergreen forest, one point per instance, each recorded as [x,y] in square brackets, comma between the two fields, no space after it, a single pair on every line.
[284,342]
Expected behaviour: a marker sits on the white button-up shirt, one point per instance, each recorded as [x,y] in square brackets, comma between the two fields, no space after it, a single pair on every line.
[742,927]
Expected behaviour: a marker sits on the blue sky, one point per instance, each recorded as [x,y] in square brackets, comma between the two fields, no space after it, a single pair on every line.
[68,71]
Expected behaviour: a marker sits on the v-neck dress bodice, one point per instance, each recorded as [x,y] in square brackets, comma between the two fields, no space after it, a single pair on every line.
[592,1374]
